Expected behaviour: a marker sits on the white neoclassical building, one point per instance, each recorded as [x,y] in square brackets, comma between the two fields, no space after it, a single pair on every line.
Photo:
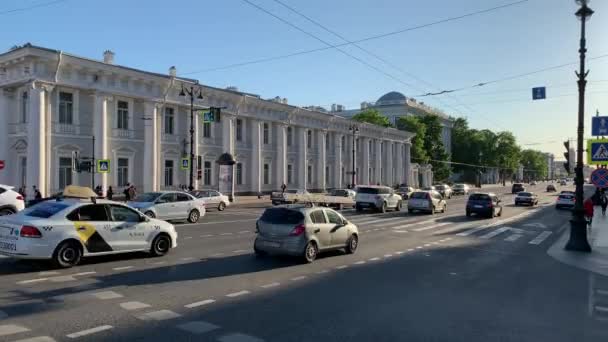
[53,103]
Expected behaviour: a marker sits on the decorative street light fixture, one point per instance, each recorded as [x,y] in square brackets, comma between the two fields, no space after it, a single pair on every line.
[355,130]
[578,224]
[192,93]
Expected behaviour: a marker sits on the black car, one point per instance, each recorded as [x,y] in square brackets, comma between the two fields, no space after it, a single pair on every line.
[517,187]
[551,188]
[484,204]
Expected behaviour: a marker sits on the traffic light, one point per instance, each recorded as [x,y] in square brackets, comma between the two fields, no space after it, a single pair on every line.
[216,113]
[567,156]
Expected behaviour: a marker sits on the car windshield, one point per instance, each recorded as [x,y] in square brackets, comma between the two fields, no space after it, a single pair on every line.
[568,197]
[458,186]
[479,197]
[524,194]
[440,187]
[420,195]
[147,197]
[375,191]
[46,209]
[282,216]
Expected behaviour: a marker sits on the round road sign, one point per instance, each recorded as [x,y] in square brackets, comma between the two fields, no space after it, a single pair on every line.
[599,178]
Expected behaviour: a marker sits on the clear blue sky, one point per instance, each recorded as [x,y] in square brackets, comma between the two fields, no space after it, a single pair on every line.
[195,35]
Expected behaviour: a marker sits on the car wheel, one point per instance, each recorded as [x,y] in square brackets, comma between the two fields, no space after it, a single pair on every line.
[398,207]
[161,245]
[150,214]
[221,206]
[433,210]
[310,252]
[468,213]
[193,216]
[259,253]
[352,244]
[6,211]
[383,208]
[67,254]
[410,211]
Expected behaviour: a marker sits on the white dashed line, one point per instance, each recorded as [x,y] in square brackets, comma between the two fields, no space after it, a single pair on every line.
[134,305]
[38,339]
[322,271]
[341,267]
[427,245]
[267,286]
[224,234]
[239,338]
[158,263]
[201,303]
[359,262]
[540,238]
[48,273]
[83,274]
[399,253]
[298,278]
[410,249]
[243,232]
[374,259]
[160,315]
[187,259]
[206,235]
[107,295]
[90,331]
[31,281]
[431,227]
[419,247]
[197,327]
[401,231]
[237,294]
[61,279]
[187,238]
[122,268]
[217,254]
[239,251]
[11,329]
[388,255]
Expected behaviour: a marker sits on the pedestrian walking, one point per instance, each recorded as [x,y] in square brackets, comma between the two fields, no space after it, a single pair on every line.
[110,193]
[37,194]
[132,192]
[588,207]
[22,192]
[127,193]
[283,188]
[603,203]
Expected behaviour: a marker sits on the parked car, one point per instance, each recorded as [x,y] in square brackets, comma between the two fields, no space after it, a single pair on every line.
[517,187]
[11,202]
[405,191]
[427,201]
[460,189]
[565,200]
[551,188]
[524,197]
[213,198]
[444,190]
[302,231]
[170,205]
[484,204]
[343,193]
[429,188]
[280,197]
[377,197]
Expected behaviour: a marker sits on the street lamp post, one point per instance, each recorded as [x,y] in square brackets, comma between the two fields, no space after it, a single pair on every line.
[192,93]
[578,224]
[354,129]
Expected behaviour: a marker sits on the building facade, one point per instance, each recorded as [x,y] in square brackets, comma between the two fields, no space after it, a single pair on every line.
[53,103]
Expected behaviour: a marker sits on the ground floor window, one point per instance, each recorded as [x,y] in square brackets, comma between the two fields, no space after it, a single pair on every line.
[239,173]
[309,174]
[169,173]
[342,175]
[207,175]
[266,174]
[65,172]
[326,175]
[289,174]
[122,171]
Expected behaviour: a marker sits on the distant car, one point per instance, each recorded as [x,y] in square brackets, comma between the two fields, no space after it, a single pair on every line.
[484,204]
[170,205]
[305,232]
[565,200]
[343,193]
[429,188]
[405,191]
[563,182]
[281,197]
[517,187]
[444,190]
[460,189]
[213,198]
[377,197]
[524,197]
[570,192]
[551,188]
[533,183]
[11,202]
[427,201]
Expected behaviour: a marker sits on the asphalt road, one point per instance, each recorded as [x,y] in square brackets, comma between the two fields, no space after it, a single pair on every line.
[413,278]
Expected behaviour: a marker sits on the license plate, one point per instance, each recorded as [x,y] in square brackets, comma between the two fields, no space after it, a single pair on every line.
[8,246]
[478,206]
[272,244]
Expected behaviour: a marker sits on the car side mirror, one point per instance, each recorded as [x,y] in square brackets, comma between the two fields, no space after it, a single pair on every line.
[144,218]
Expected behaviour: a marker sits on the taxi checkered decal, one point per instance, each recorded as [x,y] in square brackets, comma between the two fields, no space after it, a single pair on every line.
[89,236]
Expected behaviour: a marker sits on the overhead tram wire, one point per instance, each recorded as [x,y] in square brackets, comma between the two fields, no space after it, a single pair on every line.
[22,9]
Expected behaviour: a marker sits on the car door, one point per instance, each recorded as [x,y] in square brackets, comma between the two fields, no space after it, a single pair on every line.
[94,228]
[321,229]
[131,232]
[214,198]
[165,206]
[338,232]
[183,204]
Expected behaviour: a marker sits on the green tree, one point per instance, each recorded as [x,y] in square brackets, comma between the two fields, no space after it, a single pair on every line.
[373,116]
[534,163]
[434,148]
[413,125]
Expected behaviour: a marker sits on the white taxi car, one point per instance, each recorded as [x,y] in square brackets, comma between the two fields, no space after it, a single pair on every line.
[65,230]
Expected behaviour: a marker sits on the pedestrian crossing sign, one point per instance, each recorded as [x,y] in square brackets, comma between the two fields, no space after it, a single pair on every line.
[103,166]
[185,164]
[597,151]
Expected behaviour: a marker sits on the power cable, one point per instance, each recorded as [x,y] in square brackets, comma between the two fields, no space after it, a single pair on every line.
[45,4]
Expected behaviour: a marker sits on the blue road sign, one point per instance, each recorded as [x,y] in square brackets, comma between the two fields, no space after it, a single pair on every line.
[599,125]
[599,178]
[539,93]
[597,151]
[185,163]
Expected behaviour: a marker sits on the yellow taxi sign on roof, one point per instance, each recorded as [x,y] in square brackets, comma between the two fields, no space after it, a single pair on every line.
[74,191]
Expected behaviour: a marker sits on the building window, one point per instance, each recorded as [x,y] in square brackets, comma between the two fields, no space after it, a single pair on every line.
[207,173]
[308,139]
[239,173]
[23,117]
[266,174]
[65,172]
[342,176]
[326,139]
[66,108]
[289,136]
[122,115]
[266,134]
[369,144]
[357,175]
[309,175]
[122,171]
[168,173]
[326,175]
[343,144]
[169,121]
[206,129]
[239,130]
[289,174]
[369,175]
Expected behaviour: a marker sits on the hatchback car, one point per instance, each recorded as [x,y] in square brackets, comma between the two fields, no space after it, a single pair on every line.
[444,190]
[305,232]
[170,205]
[551,188]
[11,201]
[378,197]
[405,192]
[517,187]
[484,204]
[528,198]
[213,198]
[565,200]
[427,201]
[461,189]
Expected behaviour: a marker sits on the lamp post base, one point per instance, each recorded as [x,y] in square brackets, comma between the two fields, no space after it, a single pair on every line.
[578,236]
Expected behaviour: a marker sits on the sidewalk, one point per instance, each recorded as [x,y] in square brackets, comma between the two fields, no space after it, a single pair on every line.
[597,260]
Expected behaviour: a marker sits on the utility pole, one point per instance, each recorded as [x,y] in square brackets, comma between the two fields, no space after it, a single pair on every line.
[354,129]
[93,163]
[192,93]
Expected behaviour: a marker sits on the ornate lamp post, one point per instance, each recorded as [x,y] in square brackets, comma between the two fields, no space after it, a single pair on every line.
[192,93]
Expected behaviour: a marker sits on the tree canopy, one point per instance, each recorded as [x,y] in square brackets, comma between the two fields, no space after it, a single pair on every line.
[413,125]
[534,163]
[373,116]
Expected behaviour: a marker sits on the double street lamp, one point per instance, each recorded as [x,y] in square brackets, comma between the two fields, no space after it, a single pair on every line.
[355,130]
[578,224]
[199,95]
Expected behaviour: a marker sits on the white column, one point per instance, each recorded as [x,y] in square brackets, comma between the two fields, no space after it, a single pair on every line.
[151,142]
[36,149]
[4,115]
[303,162]
[399,173]
[228,134]
[408,163]
[378,166]
[196,152]
[281,155]
[322,137]
[100,131]
[338,161]
[389,163]
[365,164]
[256,156]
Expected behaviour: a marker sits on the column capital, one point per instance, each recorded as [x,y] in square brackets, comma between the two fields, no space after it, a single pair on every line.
[102,95]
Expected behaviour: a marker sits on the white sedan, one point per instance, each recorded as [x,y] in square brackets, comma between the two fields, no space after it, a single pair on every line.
[65,230]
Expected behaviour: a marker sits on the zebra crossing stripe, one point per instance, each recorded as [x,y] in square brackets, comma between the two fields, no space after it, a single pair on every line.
[540,238]
[513,237]
[494,233]
[431,226]
[472,231]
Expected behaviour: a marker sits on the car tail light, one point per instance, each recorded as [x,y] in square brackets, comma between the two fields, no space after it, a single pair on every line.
[30,232]
[298,230]
[257,227]
[19,198]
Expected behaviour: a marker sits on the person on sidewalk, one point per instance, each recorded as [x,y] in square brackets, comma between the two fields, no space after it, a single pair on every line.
[603,203]
[588,207]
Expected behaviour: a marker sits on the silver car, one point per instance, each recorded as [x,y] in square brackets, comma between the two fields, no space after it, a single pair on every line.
[427,201]
[213,198]
[305,232]
[169,205]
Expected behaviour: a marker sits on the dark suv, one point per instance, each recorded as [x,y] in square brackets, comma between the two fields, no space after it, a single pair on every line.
[485,204]
[517,187]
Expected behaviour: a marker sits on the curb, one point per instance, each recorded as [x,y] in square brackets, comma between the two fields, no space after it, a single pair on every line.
[578,260]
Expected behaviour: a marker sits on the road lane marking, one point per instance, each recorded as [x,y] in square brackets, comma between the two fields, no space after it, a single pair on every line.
[388,255]
[494,233]
[62,279]
[239,251]
[201,303]
[298,278]
[410,249]
[359,262]
[83,273]
[401,231]
[48,273]
[160,315]
[187,238]
[187,259]
[217,254]
[399,252]
[341,267]
[90,331]
[513,237]
[158,263]
[31,281]
[107,295]
[134,305]
[206,235]
[225,234]
[267,286]
[38,339]
[431,226]
[243,232]
[197,327]
[236,294]
[215,222]
[374,259]
[11,329]
[122,268]
[322,271]
[540,238]
[472,230]
[236,337]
